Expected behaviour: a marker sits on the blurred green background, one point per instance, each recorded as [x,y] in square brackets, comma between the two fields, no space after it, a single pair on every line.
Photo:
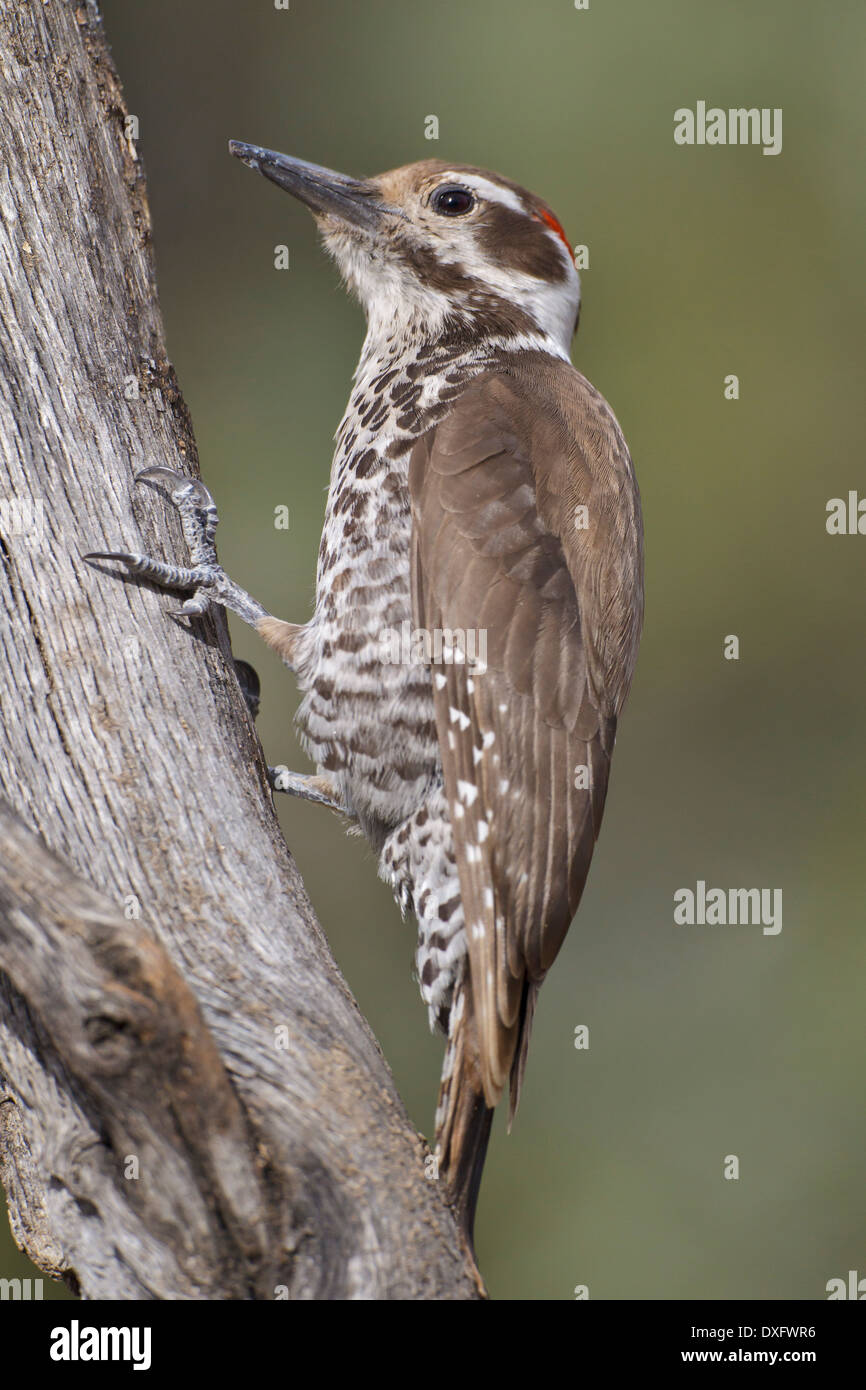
[704,1041]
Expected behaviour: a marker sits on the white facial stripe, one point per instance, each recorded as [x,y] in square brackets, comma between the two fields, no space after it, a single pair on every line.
[399,304]
[495,193]
[552,306]
[486,189]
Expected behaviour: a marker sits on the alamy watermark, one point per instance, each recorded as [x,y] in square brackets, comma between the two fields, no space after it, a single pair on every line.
[21,1289]
[438,646]
[77,1343]
[853,1287]
[846,516]
[732,907]
[713,125]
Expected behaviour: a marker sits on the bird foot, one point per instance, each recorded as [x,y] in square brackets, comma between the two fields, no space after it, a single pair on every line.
[206,577]
[307,787]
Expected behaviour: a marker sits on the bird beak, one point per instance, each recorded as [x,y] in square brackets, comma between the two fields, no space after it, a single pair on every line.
[325,192]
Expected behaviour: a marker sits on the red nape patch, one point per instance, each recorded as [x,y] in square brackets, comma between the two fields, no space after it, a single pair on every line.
[555,226]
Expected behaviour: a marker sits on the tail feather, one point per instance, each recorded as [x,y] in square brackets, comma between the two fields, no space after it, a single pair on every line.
[518,1066]
[463,1119]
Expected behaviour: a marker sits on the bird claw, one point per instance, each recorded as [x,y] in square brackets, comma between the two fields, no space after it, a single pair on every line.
[206,577]
[179,482]
[199,517]
[194,607]
[308,788]
[159,571]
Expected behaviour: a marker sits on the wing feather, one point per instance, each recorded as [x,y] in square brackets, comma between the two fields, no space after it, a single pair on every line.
[494,490]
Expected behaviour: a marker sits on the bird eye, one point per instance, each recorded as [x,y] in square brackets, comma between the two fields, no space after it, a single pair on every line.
[452,201]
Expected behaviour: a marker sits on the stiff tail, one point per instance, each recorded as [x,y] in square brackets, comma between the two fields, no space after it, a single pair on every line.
[518,1066]
[463,1119]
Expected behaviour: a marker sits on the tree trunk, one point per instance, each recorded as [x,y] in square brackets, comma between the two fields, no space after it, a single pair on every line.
[191,1104]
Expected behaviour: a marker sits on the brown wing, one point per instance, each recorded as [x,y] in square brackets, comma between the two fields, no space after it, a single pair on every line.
[500,549]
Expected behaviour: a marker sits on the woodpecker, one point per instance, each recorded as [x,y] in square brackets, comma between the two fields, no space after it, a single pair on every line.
[483,501]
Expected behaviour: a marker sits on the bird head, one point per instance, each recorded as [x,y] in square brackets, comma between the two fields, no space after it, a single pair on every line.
[435,249]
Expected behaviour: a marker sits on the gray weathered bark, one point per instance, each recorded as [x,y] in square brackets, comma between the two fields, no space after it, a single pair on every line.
[191,1105]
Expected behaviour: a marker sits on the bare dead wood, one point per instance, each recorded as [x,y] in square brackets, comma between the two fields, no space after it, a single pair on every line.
[168,1002]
